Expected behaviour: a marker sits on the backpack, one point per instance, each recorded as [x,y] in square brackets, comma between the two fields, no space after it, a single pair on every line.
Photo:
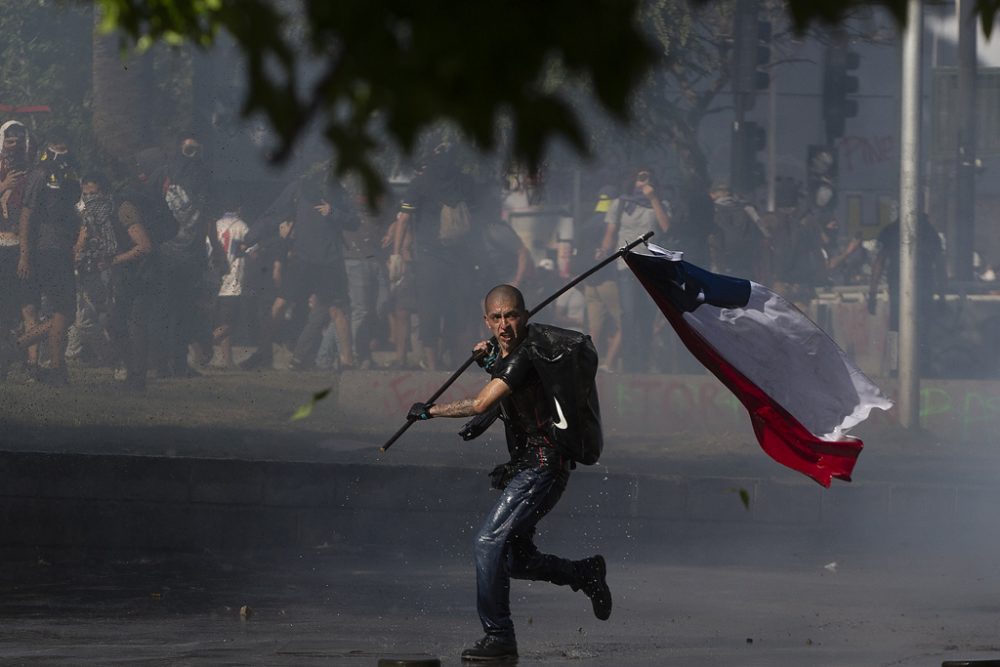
[455,223]
[566,363]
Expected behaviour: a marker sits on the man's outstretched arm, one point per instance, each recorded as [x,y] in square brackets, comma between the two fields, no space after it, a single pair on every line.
[490,395]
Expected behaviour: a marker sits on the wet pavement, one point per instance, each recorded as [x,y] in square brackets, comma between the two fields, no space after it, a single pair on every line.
[354,606]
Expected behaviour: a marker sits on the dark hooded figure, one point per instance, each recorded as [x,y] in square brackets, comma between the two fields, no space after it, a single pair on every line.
[179,231]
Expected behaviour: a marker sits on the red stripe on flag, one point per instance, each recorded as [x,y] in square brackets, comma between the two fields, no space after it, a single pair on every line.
[780,434]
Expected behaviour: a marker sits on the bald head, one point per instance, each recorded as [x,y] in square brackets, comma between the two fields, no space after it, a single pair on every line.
[506,293]
[506,317]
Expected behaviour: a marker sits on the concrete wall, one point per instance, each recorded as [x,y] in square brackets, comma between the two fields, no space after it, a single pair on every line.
[158,503]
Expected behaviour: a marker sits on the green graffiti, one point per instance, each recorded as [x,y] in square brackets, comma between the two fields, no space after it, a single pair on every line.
[978,408]
[934,401]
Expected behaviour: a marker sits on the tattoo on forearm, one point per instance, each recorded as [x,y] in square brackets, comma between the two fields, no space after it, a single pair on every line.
[463,408]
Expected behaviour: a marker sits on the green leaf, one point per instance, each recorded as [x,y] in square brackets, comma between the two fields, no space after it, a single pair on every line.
[306,409]
[744,497]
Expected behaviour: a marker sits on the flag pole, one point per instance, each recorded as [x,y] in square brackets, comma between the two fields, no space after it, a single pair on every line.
[565,288]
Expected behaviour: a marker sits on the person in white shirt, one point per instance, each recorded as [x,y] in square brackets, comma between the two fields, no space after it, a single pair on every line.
[231,231]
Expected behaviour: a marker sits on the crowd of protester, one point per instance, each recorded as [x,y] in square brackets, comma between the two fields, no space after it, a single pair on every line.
[153,277]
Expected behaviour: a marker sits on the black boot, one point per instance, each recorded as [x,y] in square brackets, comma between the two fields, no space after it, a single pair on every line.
[491,648]
[593,575]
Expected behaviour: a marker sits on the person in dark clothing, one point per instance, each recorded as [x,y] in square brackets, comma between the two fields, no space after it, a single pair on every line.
[314,271]
[737,243]
[183,257]
[435,210]
[146,190]
[796,262]
[532,482]
[930,277]
[844,265]
[97,241]
[365,270]
[135,285]
[48,229]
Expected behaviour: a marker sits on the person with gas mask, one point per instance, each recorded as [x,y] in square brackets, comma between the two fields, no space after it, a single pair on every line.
[637,211]
[47,232]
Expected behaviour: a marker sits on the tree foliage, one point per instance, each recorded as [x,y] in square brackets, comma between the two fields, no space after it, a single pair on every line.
[404,66]
[43,66]
[401,67]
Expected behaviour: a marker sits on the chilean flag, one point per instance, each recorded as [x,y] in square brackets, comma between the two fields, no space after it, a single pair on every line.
[801,390]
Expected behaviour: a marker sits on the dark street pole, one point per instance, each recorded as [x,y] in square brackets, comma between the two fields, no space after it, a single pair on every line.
[745,10]
[965,158]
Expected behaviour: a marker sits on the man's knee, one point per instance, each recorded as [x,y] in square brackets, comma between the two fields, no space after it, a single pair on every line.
[489,543]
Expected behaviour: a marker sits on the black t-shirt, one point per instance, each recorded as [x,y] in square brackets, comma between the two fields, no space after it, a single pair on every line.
[52,199]
[317,239]
[440,184]
[525,409]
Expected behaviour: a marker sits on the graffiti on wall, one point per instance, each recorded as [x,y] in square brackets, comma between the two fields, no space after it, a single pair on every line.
[970,410]
[858,151]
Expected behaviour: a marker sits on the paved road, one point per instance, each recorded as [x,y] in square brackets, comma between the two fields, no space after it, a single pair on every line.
[337,607]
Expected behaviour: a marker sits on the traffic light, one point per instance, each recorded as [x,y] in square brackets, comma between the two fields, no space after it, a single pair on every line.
[821,176]
[751,51]
[838,83]
[748,173]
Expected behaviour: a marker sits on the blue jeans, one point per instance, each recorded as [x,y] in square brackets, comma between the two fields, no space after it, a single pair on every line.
[504,546]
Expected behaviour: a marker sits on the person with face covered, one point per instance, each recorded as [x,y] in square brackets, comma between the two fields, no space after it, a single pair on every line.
[96,242]
[183,259]
[15,160]
[47,231]
[531,483]
[631,215]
